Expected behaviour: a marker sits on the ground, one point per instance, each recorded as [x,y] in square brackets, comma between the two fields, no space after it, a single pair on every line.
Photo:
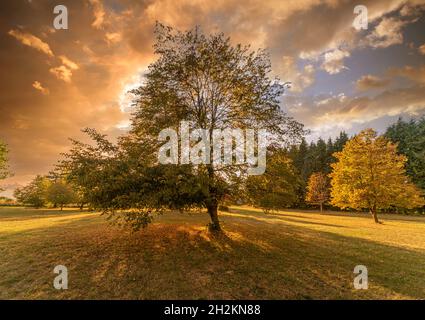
[286,255]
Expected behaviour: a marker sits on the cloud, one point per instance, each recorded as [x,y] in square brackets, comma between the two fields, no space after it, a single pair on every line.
[369,82]
[387,33]
[37,85]
[299,78]
[68,63]
[113,37]
[334,61]
[32,41]
[62,73]
[328,112]
[415,74]
[98,13]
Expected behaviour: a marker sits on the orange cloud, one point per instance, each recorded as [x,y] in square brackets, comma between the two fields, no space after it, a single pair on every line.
[98,13]
[67,62]
[368,82]
[32,41]
[62,73]
[37,85]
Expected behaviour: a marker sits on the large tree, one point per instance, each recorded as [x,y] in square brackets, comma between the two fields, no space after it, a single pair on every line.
[213,84]
[369,173]
[206,81]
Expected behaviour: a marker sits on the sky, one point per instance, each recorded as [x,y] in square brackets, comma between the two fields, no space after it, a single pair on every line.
[55,82]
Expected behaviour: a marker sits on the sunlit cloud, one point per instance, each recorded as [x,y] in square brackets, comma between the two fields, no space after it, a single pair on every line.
[98,13]
[32,41]
[113,37]
[37,85]
[68,63]
[334,61]
[62,73]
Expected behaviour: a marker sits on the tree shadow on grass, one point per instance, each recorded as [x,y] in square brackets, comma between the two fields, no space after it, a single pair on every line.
[281,213]
[272,219]
[251,260]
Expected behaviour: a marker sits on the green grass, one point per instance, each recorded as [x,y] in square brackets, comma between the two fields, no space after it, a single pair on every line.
[288,255]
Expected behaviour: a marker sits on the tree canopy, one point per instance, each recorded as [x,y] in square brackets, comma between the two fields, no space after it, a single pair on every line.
[410,139]
[35,193]
[206,81]
[59,193]
[318,189]
[4,168]
[312,157]
[277,187]
[369,173]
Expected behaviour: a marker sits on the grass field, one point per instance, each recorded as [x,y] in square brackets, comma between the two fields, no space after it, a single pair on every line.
[288,255]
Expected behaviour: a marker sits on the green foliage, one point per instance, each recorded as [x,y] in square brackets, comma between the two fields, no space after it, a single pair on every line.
[370,174]
[34,194]
[277,187]
[60,193]
[206,80]
[4,169]
[410,137]
[121,181]
[5,201]
[314,157]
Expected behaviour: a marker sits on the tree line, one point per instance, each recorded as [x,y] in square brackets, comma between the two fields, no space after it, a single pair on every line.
[366,172]
[45,191]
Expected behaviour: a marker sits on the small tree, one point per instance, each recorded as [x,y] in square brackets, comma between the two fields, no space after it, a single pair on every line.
[370,174]
[317,189]
[33,194]
[60,193]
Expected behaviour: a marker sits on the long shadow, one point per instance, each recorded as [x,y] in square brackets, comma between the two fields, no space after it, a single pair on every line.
[250,261]
[382,216]
[268,219]
[242,210]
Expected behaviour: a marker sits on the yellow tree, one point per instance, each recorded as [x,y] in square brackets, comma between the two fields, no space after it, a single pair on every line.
[317,189]
[369,174]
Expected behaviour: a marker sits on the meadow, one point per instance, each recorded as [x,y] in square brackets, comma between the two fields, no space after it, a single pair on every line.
[285,255]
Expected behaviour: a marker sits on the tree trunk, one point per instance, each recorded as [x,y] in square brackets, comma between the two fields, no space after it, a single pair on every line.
[374,214]
[212,202]
[321,207]
[61,207]
[213,212]
[82,206]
